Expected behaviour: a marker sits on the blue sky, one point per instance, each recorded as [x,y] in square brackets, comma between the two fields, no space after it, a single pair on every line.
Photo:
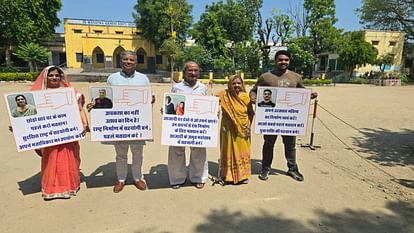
[122,10]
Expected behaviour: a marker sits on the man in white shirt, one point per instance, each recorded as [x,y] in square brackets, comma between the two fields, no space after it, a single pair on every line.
[129,76]
[198,168]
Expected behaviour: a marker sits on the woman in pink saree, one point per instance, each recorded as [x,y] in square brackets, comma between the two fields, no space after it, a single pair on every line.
[60,163]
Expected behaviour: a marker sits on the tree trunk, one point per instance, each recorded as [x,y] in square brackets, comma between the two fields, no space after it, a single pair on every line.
[8,56]
[172,69]
[31,66]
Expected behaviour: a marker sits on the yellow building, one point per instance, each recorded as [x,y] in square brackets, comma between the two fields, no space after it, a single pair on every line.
[386,42]
[97,44]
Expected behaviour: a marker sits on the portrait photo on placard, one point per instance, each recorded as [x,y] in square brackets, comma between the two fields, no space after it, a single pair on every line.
[101,97]
[22,105]
[174,104]
[267,97]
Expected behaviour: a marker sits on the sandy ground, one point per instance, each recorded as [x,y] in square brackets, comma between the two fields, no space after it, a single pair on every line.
[361,180]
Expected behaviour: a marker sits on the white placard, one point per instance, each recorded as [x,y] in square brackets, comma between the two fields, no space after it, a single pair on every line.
[285,112]
[130,117]
[54,118]
[196,125]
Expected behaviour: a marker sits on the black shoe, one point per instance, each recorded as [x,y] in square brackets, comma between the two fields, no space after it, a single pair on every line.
[295,174]
[264,175]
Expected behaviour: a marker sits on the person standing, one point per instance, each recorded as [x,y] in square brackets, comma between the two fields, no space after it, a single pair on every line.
[60,163]
[129,76]
[237,115]
[280,77]
[198,168]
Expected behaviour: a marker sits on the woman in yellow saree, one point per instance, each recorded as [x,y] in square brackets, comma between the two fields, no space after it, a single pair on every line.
[237,114]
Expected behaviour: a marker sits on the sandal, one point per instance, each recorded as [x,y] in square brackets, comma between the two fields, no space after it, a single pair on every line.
[199,185]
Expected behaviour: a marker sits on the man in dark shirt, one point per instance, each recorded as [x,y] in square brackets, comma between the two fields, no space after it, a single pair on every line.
[280,77]
[267,99]
[101,102]
[169,106]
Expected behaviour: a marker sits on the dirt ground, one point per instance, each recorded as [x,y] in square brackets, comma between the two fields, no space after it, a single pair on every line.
[360,180]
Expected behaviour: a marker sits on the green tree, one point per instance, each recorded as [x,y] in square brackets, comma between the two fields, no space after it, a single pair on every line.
[384,60]
[323,35]
[302,59]
[224,25]
[247,57]
[33,54]
[388,14]
[321,18]
[355,51]
[170,49]
[283,27]
[163,19]
[236,17]
[196,53]
[25,21]
[210,33]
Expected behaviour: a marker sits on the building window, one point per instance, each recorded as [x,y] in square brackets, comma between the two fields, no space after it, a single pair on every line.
[98,31]
[158,59]
[99,58]
[79,57]
[119,32]
[140,59]
[393,43]
[77,30]
[375,42]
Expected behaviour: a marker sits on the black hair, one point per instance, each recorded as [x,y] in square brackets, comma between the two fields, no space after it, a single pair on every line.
[60,71]
[267,90]
[282,52]
[24,97]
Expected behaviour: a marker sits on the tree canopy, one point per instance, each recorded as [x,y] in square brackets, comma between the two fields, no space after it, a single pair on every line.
[355,51]
[161,19]
[388,14]
[25,21]
[32,53]
[321,18]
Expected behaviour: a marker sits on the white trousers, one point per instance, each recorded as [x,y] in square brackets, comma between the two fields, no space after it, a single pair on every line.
[177,170]
[121,149]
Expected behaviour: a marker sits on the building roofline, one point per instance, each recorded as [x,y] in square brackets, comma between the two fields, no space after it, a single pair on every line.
[99,22]
[378,30]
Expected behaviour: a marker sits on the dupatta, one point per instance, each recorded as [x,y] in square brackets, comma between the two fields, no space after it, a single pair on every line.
[236,106]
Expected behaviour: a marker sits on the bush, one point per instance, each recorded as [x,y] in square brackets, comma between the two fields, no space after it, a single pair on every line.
[359,81]
[318,82]
[403,77]
[22,76]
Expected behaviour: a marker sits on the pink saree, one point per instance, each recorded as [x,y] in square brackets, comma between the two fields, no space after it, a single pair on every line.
[60,163]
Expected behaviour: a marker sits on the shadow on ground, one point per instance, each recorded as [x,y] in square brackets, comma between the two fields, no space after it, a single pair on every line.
[256,168]
[33,184]
[349,221]
[105,176]
[387,147]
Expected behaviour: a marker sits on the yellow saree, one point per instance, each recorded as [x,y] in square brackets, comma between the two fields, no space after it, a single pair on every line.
[234,141]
